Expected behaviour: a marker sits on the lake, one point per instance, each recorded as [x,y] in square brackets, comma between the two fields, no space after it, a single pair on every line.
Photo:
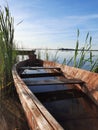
[60,56]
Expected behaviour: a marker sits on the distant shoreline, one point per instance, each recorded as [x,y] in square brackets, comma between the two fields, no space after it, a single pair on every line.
[67,49]
[59,49]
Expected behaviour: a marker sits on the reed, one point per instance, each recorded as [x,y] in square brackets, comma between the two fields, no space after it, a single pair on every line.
[38,54]
[76,50]
[55,58]
[83,55]
[47,57]
[7,47]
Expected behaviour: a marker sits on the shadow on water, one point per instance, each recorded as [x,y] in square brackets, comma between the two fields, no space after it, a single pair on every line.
[71,108]
[74,113]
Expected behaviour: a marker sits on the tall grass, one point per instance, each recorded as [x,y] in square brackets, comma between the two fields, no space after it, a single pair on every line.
[47,55]
[81,57]
[55,58]
[7,47]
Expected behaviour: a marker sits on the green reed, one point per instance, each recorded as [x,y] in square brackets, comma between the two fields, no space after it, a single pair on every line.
[38,53]
[7,47]
[83,55]
[47,57]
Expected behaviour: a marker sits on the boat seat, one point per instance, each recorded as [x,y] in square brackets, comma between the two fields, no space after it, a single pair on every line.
[53,82]
[35,75]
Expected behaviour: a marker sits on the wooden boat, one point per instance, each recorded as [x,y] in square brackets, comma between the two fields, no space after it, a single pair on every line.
[37,115]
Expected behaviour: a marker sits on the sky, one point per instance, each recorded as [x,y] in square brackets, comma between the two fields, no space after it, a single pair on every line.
[53,23]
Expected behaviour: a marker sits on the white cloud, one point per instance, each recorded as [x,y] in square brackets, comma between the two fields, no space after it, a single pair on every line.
[84,17]
[46,30]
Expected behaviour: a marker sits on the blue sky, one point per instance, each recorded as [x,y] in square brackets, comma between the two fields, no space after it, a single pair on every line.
[54,23]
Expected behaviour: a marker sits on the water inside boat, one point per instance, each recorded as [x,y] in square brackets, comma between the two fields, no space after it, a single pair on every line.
[69,106]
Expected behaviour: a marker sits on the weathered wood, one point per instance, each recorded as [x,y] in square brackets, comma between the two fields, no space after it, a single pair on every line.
[72,81]
[24,52]
[90,78]
[40,75]
[38,117]
[53,82]
[34,68]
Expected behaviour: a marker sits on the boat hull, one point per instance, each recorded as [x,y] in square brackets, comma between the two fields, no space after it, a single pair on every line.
[37,115]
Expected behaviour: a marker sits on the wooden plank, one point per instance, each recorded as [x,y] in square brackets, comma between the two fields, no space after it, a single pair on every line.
[72,81]
[44,82]
[53,82]
[24,52]
[34,68]
[59,95]
[35,75]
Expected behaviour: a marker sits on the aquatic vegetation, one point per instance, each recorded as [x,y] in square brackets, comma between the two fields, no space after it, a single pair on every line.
[46,54]
[84,55]
[56,57]
[38,53]
[7,47]
[95,69]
